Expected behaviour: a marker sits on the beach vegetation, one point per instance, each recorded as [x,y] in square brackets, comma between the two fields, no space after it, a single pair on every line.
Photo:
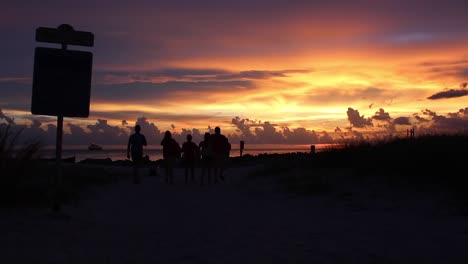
[422,164]
[26,180]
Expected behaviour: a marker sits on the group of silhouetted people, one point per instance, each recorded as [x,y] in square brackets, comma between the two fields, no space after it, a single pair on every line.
[211,153]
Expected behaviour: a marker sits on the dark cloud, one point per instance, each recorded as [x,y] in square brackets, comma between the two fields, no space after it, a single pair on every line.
[159,116]
[8,119]
[39,118]
[457,69]
[175,74]
[429,113]
[149,129]
[451,123]
[256,74]
[454,124]
[243,125]
[356,94]
[259,132]
[300,136]
[268,133]
[249,130]
[421,119]
[103,133]
[381,115]
[452,93]
[194,75]
[357,120]
[144,91]
[402,120]
[464,112]
[443,63]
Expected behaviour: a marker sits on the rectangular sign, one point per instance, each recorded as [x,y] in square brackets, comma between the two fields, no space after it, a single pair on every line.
[61,82]
[53,35]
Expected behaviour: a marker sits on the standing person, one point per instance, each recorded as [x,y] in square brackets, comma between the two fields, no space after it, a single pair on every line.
[221,148]
[189,156]
[206,151]
[135,147]
[171,152]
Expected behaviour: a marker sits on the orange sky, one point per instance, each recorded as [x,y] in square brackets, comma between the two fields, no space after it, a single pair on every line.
[301,64]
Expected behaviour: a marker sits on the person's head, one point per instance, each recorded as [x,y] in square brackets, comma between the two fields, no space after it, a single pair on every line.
[217,130]
[137,128]
[167,134]
[207,136]
[189,137]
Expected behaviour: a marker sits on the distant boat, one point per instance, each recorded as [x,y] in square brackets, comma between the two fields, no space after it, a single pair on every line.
[93,146]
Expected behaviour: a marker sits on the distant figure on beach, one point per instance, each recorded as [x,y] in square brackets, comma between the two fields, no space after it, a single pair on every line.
[206,151]
[171,152]
[221,148]
[135,148]
[189,156]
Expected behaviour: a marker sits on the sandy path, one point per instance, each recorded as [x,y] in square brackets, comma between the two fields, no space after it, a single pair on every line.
[156,223]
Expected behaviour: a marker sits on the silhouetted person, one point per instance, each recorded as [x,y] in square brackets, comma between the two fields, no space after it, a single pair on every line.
[221,148]
[189,156]
[206,151]
[135,148]
[171,152]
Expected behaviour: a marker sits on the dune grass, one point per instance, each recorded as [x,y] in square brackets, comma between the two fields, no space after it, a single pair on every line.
[432,162]
[27,181]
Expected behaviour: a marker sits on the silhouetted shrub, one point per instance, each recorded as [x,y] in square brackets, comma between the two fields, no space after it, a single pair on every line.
[427,162]
[17,163]
[26,180]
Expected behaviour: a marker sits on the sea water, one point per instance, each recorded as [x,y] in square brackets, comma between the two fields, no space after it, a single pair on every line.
[119,152]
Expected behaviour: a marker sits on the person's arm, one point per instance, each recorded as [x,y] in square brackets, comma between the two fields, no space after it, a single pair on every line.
[144,141]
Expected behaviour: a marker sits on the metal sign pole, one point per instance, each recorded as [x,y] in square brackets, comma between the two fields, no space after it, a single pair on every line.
[58,157]
[241,147]
[58,164]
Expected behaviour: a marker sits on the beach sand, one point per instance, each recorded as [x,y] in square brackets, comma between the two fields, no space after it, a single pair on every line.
[240,220]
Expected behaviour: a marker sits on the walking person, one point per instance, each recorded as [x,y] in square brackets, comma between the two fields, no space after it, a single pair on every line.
[221,148]
[135,145]
[206,151]
[189,157]
[171,152]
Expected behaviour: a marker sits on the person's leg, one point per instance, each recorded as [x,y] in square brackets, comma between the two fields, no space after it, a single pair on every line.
[192,171]
[186,172]
[221,169]
[215,174]
[172,174]
[135,172]
[202,173]
[209,173]
[166,169]
[171,171]
[136,163]
[216,169]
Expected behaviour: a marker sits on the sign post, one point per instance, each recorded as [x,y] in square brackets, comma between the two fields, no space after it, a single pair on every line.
[241,147]
[61,84]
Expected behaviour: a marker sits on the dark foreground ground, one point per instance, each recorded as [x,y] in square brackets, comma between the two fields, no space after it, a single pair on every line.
[245,219]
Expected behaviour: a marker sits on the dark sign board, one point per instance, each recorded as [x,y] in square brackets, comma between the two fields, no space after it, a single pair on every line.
[65,35]
[61,82]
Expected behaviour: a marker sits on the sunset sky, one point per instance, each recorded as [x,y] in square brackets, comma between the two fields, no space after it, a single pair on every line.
[331,66]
